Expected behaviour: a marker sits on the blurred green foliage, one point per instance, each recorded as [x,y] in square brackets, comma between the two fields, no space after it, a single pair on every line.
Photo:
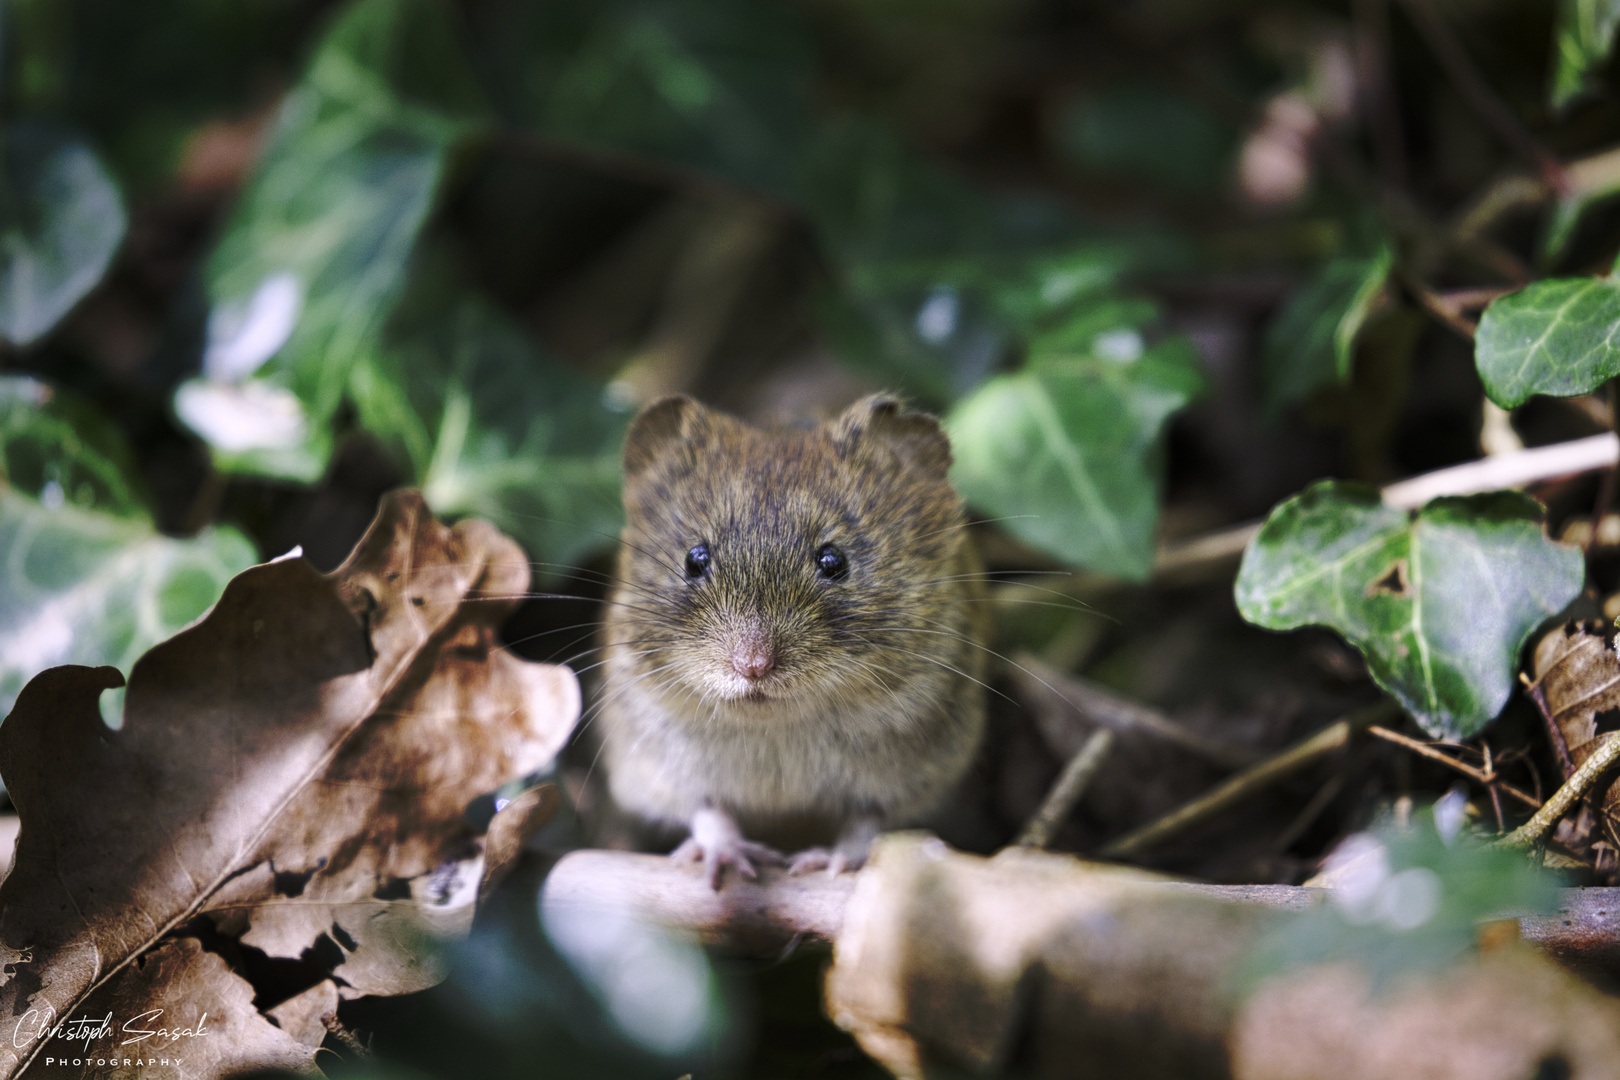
[458,232]
[1407,899]
[87,578]
[405,169]
[61,219]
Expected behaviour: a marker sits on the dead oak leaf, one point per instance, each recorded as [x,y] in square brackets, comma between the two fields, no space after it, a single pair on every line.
[295,722]
[182,1014]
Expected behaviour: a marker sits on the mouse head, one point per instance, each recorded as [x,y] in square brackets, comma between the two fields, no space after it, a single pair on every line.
[761,565]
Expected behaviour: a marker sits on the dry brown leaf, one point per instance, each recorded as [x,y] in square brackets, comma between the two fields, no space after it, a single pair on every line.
[317,736]
[509,828]
[1577,676]
[180,1013]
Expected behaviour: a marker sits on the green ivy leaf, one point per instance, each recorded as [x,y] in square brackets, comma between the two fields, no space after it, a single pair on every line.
[58,449]
[85,587]
[1585,40]
[61,220]
[1067,450]
[1559,337]
[86,577]
[1439,602]
[490,424]
[1311,342]
[315,255]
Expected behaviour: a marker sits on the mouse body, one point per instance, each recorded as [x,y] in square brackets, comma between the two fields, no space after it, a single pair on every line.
[795,639]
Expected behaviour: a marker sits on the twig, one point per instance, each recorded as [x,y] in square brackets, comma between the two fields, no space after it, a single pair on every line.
[759,916]
[1507,470]
[1248,782]
[342,1034]
[1311,811]
[1605,495]
[1448,307]
[1488,779]
[1105,709]
[1066,792]
[1496,796]
[1479,95]
[1487,474]
[1530,834]
[1538,694]
[1460,300]
[1204,550]
[1443,313]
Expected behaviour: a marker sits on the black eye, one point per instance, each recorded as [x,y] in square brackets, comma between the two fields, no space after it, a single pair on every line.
[831,562]
[697,561]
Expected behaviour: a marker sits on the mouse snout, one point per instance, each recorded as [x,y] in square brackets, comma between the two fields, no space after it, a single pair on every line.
[752,652]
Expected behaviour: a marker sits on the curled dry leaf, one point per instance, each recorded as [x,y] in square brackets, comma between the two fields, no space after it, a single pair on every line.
[1577,678]
[181,1013]
[297,764]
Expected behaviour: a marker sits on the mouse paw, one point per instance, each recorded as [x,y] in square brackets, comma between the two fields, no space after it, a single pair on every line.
[717,843]
[848,854]
[810,860]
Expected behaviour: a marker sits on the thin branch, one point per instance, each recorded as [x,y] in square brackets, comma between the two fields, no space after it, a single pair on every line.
[1605,495]
[1448,307]
[1312,810]
[1496,796]
[1247,783]
[1507,470]
[1581,932]
[1066,792]
[1477,92]
[1487,474]
[1538,694]
[1444,313]
[1563,800]
[347,1038]
[1103,708]
[1488,779]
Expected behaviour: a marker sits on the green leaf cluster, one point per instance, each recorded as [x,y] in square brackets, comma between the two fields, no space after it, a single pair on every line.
[1311,342]
[326,293]
[87,578]
[61,220]
[1584,42]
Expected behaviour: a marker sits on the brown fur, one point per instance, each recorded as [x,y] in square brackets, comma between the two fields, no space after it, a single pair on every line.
[874,707]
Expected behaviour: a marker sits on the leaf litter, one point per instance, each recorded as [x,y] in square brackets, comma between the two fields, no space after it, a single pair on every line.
[297,766]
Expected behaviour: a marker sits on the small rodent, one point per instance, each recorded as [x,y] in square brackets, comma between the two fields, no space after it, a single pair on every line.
[793,636]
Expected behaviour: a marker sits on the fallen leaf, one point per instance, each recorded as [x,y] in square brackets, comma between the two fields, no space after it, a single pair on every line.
[313,737]
[181,1013]
[1578,677]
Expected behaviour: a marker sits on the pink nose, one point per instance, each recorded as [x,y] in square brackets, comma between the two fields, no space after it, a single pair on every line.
[752,659]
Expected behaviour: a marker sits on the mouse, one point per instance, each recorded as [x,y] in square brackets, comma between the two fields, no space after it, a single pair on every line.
[795,642]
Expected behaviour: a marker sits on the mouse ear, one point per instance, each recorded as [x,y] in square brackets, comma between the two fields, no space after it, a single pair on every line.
[915,437]
[659,430]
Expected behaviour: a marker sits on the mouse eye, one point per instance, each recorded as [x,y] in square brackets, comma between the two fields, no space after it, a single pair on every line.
[697,562]
[831,562]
